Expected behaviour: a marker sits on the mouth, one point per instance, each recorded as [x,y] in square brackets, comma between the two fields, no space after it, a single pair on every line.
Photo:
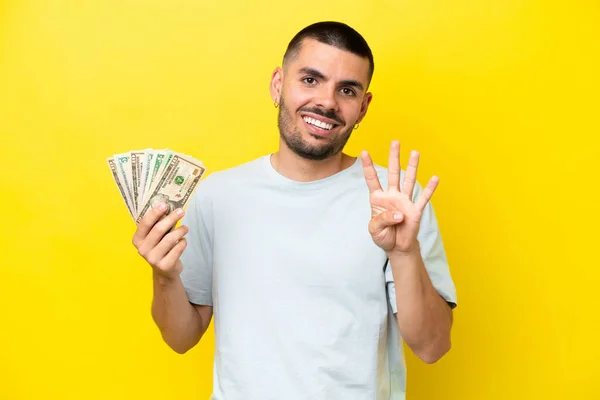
[319,125]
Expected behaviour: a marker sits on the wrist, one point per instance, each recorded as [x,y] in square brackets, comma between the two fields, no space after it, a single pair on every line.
[162,279]
[412,251]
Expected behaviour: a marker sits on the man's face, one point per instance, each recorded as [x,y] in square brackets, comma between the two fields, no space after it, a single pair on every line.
[322,95]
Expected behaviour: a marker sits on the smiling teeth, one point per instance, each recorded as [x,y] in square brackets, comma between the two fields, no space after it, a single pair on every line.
[318,124]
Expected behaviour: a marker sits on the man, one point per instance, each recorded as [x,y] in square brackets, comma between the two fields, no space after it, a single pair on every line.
[313,271]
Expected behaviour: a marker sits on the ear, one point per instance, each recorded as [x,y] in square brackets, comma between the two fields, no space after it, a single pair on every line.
[276,84]
[364,106]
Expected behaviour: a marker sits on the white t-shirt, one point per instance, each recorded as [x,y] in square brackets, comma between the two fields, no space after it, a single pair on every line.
[303,300]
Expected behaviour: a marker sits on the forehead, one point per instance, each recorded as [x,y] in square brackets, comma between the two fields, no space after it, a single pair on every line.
[334,63]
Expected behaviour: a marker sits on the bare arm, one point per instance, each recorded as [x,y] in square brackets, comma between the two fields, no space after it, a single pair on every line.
[181,323]
[424,317]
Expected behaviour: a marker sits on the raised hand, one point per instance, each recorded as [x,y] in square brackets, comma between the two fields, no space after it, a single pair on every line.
[395,218]
[160,246]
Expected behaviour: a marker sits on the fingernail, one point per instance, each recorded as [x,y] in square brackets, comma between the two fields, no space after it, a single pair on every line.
[162,206]
[179,211]
[397,216]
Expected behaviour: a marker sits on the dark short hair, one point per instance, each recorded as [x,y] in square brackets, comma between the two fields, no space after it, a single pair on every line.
[335,34]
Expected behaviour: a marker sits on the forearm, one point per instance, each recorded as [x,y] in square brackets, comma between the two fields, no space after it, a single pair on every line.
[424,317]
[180,324]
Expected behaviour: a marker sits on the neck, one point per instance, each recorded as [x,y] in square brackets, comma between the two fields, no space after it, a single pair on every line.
[294,167]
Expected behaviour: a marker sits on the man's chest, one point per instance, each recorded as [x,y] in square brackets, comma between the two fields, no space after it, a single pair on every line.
[310,241]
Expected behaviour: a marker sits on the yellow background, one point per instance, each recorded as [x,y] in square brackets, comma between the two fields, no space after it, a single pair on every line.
[500,97]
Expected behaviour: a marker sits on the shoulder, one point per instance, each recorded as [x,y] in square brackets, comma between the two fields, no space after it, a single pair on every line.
[220,183]
[247,168]
[217,180]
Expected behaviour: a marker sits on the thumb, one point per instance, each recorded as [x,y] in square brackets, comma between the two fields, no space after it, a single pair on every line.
[383,220]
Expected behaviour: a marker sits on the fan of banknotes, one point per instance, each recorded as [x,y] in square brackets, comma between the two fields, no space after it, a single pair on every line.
[147,177]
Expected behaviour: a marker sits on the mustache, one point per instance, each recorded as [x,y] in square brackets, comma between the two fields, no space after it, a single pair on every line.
[327,114]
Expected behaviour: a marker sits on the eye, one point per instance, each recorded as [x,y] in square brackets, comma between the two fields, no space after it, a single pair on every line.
[348,91]
[309,80]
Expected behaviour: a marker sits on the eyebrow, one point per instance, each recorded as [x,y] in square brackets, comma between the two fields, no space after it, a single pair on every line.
[319,74]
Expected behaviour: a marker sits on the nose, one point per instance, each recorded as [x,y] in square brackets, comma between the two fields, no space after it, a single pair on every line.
[327,99]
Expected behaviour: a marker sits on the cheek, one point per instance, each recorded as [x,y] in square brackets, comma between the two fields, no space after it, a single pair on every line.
[297,97]
[350,113]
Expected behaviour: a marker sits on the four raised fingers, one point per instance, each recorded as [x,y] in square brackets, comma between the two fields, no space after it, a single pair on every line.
[394,172]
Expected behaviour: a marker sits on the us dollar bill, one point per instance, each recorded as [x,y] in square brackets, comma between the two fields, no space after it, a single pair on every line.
[160,158]
[161,169]
[114,172]
[123,164]
[175,185]
[148,161]
[137,163]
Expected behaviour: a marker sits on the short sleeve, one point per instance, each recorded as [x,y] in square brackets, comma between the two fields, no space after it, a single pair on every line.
[434,258]
[197,256]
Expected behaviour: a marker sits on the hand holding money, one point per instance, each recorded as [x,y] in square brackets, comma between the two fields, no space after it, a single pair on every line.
[160,251]
[156,185]
[148,177]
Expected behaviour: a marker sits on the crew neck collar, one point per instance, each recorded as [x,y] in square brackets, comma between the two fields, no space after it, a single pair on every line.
[310,185]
